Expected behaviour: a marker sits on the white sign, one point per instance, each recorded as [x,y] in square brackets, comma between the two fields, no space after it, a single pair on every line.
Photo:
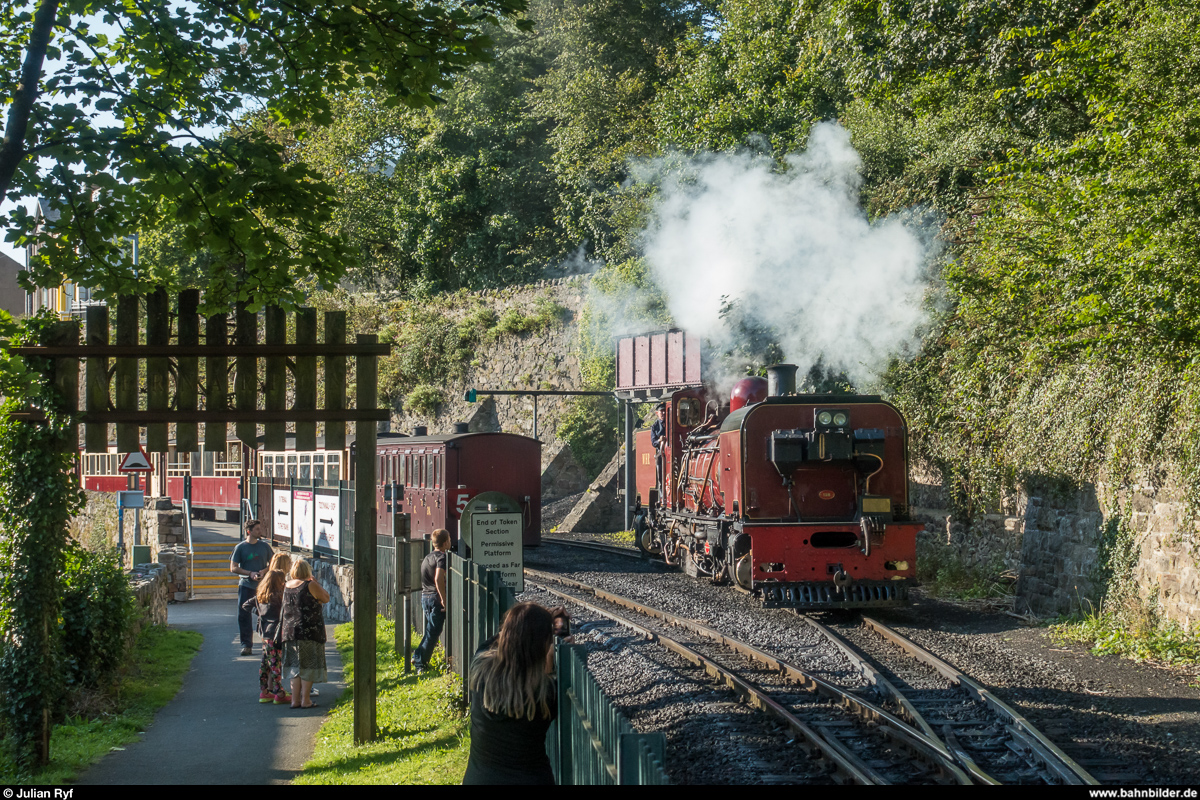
[302,519]
[329,508]
[496,543]
[282,506]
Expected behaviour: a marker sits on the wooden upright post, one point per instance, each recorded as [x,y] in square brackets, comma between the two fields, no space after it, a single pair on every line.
[335,380]
[216,374]
[187,382]
[306,379]
[274,434]
[364,548]
[158,387]
[127,373]
[95,434]
[245,380]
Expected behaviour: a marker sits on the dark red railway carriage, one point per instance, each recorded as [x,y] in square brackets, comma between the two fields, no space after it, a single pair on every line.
[435,477]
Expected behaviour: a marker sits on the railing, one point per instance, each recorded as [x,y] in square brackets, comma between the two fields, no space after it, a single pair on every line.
[592,743]
[187,526]
[476,599]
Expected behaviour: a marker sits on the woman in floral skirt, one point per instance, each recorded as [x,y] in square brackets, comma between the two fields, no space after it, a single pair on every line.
[268,602]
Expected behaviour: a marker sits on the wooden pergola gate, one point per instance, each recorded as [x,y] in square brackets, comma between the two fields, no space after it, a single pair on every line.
[172,352]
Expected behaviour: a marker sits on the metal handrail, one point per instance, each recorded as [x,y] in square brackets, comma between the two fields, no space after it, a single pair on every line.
[187,524]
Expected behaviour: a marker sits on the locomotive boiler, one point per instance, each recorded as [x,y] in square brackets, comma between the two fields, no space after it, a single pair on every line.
[800,499]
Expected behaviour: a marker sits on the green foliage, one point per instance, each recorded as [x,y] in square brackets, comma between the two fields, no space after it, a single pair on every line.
[38,495]
[514,322]
[97,612]
[424,399]
[170,76]
[118,712]
[1109,633]
[590,425]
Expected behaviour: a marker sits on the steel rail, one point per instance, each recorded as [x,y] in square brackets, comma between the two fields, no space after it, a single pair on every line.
[846,762]
[1020,728]
[908,710]
[929,749]
[611,549]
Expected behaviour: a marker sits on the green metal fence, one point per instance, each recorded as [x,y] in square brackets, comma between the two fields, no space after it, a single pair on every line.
[592,743]
[476,599]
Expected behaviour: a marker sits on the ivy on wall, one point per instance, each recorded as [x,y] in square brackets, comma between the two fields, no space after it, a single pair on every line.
[37,497]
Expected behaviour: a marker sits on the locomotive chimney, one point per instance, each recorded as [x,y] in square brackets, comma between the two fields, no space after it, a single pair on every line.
[420,430]
[781,379]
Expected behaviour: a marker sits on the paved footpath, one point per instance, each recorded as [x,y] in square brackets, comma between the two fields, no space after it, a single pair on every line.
[215,731]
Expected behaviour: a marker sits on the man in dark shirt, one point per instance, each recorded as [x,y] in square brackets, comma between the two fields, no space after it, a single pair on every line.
[433,598]
[659,427]
[250,560]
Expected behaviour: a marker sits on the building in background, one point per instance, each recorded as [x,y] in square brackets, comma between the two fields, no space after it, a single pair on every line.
[12,296]
[67,298]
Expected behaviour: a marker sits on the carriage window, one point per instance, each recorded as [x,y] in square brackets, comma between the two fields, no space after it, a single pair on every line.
[688,412]
[291,466]
[318,466]
[333,463]
[401,472]
[210,459]
[305,467]
[437,471]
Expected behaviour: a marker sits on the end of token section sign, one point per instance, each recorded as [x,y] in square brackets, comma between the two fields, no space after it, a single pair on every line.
[470,395]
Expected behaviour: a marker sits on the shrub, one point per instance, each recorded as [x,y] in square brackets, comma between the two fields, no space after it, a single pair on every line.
[424,399]
[97,616]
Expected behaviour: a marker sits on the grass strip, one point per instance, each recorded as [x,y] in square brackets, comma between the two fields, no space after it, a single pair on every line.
[423,735]
[154,675]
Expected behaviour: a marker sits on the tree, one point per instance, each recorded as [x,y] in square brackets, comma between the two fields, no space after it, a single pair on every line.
[124,115]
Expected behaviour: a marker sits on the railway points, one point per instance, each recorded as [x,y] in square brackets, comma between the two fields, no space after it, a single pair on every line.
[990,742]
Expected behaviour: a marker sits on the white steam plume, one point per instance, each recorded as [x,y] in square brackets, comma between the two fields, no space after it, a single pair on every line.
[794,249]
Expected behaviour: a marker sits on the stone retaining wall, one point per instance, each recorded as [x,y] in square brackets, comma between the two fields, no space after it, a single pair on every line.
[338,580]
[542,360]
[1052,541]
[150,591]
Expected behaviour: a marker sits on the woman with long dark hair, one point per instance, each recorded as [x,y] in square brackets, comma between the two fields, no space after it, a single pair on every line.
[268,603]
[513,701]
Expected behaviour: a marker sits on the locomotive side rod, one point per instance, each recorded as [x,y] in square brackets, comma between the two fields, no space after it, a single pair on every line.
[931,750]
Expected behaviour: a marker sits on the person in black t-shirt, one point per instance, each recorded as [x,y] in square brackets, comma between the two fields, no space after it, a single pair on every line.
[433,598]
[514,699]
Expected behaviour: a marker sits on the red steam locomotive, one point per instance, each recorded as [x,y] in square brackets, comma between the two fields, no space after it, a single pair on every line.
[801,499]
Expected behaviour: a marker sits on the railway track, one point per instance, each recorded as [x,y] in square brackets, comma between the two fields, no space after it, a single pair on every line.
[983,736]
[991,740]
[860,741]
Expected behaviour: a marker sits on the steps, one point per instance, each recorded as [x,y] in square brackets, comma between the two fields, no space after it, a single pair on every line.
[211,577]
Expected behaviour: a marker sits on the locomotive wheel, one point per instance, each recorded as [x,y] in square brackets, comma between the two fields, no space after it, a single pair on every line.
[643,537]
[743,572]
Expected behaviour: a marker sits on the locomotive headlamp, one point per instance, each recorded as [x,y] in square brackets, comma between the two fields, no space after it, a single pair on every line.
[832,417]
